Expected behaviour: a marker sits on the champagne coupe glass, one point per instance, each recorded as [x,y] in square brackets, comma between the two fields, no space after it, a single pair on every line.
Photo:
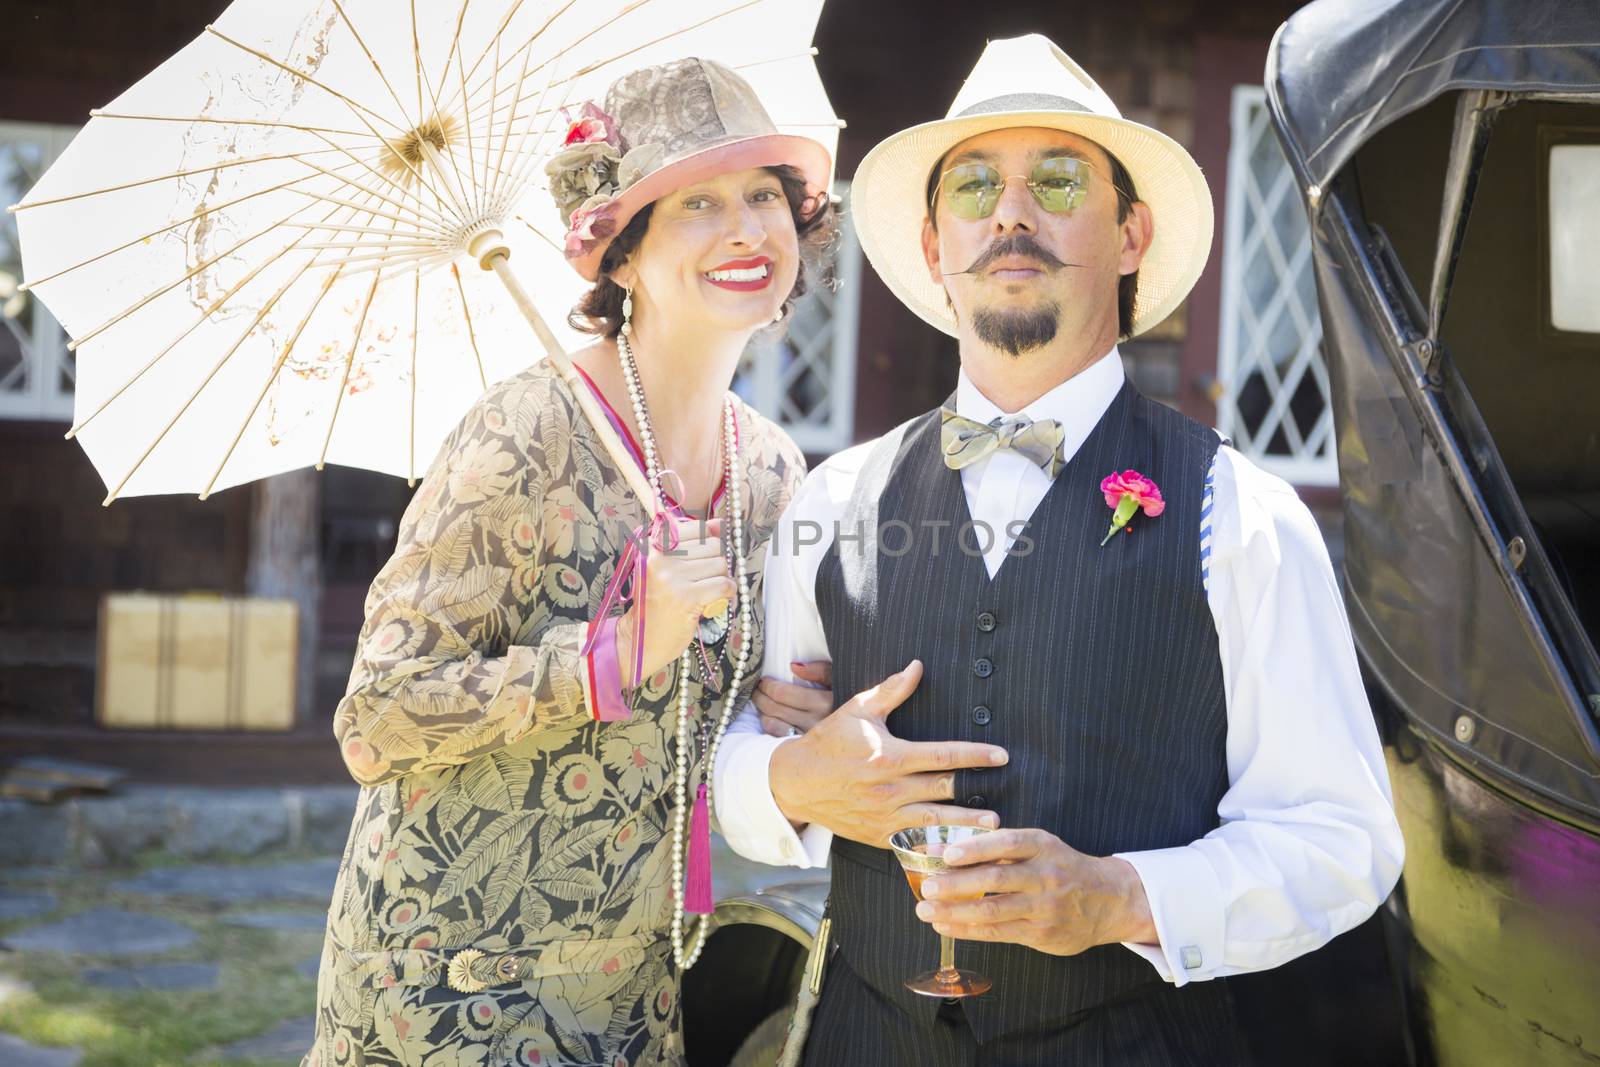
[920,850]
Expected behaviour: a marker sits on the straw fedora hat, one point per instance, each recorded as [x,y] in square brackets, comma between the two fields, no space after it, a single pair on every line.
[663,128]
[1028,81]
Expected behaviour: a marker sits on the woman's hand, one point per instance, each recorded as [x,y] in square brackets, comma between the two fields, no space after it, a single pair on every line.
[789,708]
[683,583]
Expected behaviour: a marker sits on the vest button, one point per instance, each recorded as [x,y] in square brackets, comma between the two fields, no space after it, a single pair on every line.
[983,668]
[980,715]
[986,621]
[976,800]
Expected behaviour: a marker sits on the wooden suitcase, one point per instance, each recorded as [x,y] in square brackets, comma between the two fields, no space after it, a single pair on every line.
[196,662]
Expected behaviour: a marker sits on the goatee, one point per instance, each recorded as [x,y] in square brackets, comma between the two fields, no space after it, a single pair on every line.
[1016,332]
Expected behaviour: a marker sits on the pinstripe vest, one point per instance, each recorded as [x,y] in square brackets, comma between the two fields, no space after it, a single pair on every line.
[1096,668]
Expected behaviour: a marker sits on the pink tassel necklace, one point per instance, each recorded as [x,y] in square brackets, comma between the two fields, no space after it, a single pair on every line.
[692,889]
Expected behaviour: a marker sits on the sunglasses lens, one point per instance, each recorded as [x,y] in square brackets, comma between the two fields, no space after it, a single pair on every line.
[972,190]
[1060,183]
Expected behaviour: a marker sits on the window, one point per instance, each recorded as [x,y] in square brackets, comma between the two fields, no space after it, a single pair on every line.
[36,370]
[1572,229]
[1275,399]
[805,381]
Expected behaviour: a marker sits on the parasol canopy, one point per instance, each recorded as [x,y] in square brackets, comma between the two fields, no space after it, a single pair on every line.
[267,252]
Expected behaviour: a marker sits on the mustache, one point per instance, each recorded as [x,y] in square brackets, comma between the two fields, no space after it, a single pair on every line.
[1020,245]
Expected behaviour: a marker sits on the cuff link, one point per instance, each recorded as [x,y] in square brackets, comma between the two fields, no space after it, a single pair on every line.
[1192,957]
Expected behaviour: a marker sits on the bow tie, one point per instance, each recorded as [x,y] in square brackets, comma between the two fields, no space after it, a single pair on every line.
[966,441]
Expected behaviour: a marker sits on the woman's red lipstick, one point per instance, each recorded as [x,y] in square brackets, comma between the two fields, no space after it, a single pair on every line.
[754,274]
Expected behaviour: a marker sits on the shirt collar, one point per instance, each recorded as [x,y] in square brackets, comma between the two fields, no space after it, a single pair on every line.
[1077,403]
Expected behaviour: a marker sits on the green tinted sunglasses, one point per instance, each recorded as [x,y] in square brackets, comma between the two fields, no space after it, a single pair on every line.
[1059,183]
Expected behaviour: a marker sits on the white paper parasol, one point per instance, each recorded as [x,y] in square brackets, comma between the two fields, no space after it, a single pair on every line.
[268,251]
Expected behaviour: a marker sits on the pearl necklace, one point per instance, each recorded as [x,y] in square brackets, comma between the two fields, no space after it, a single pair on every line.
[730,437]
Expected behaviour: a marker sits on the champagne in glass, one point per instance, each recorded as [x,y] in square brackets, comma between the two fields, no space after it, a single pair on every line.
[921,853]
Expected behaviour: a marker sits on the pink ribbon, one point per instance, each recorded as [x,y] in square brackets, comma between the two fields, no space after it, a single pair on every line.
[629,582]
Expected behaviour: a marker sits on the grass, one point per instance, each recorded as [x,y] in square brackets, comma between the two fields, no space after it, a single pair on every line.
[258,986]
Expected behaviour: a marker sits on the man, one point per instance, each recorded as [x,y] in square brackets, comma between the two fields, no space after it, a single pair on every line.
[1192,785]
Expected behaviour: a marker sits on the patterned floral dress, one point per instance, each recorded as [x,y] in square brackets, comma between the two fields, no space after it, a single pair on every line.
[497,814]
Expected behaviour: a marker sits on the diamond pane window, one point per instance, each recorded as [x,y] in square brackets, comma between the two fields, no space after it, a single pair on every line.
[805,381]
[36,370]
[1275,400]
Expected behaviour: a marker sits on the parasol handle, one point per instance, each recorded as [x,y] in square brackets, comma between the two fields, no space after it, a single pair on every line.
[489,248]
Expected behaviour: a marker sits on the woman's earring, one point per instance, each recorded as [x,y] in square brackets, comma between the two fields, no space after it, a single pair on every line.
[779,316]
[627,310]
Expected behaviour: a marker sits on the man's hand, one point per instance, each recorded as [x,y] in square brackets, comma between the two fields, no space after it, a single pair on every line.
[852,776]
[786,705]
[1046,895]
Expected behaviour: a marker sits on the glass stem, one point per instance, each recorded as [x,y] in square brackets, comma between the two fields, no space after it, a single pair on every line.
[947,959]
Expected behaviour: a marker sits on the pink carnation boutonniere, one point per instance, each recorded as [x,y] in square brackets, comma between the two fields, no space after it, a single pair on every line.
[1125,494]
[592,126]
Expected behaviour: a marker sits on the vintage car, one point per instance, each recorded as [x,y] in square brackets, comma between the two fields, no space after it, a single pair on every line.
[1448,153]
[1449,156]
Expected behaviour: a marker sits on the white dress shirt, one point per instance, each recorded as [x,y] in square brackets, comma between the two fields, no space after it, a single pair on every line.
[1308,845]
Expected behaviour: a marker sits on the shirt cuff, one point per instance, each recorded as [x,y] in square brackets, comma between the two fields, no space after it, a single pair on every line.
[1186,903]
[750,818]
[603,674]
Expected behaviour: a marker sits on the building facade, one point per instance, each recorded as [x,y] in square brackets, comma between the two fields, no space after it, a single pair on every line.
[1242,353]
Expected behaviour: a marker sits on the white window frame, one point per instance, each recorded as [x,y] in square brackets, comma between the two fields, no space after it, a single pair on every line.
[1243,330]
[768,382]
[45,350]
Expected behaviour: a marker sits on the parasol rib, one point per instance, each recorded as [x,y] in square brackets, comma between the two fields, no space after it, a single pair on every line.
[466,313]
[505,141]
[73,432]
[361,110]
[418,208]
[411,437]
[344,381]
[76,343]
[326,199]
[421,209]
[498,33]
[351,26]
[532,160]
[270,123]
[196,217]
[519,168]
[455,42]
[416,58]
[535,36]
[358,110]
[261,314]
[272,375]
[165,178]
[640,47]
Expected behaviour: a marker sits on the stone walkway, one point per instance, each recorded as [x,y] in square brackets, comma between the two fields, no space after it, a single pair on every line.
[123,949]
[121,946]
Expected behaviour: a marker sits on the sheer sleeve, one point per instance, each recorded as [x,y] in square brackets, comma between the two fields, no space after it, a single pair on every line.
[436,680]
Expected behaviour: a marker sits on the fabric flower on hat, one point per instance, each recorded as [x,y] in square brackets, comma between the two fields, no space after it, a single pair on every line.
[580,173]
[639,161]
[595,220]
[593,126]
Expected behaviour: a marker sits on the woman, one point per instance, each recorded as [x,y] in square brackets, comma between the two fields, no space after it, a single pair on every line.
[513,888]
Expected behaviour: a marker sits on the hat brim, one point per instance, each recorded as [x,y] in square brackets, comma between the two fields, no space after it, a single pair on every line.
[809,157]
[889,206]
